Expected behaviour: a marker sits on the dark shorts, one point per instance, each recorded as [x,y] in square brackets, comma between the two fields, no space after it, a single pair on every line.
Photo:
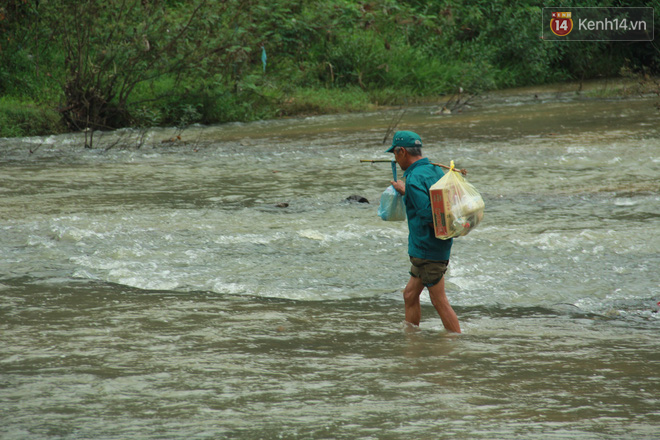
[429,271]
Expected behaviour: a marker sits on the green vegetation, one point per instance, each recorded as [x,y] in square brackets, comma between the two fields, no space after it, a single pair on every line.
[106,64]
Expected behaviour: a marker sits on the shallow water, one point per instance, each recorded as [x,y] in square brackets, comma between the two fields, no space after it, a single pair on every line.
[160,292]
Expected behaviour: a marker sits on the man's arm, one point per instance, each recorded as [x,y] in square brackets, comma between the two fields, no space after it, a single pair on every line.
[422,203]
[400,186]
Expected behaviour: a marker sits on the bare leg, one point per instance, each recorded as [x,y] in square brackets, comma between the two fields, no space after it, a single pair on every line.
[441,304]
[411,295]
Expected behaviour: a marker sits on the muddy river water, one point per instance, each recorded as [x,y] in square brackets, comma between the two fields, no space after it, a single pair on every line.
[219,286]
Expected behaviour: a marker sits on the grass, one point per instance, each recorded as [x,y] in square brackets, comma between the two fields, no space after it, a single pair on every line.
[20,117]
[318,101]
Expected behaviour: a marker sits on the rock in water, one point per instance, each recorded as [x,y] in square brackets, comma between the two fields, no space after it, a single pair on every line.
[356,199]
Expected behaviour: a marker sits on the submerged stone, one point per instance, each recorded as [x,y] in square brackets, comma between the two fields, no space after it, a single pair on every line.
[356,199]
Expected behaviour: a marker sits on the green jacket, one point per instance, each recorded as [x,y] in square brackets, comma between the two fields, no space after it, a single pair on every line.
[420,176]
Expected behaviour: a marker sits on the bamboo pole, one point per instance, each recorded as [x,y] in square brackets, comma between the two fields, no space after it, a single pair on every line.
[463,171]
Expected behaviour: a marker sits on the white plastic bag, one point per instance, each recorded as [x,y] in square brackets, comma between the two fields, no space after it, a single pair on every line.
[392,208]
[457,205]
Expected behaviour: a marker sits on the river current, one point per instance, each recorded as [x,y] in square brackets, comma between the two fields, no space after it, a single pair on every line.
[220,286]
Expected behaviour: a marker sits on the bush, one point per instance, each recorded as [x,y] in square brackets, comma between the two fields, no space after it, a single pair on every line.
[113,63]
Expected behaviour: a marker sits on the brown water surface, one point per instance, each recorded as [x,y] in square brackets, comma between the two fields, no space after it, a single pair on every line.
[160,292]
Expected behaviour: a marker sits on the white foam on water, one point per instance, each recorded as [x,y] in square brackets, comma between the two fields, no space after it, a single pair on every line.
[561,217]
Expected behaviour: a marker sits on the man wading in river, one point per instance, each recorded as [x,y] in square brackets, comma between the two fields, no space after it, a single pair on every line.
[429,255]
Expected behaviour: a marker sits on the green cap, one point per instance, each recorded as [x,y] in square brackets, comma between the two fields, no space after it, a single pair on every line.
[405,139]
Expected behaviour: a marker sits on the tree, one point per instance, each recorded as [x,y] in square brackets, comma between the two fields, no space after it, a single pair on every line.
[110,47]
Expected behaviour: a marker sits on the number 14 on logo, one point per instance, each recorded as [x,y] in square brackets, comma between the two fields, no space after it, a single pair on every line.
[561,23]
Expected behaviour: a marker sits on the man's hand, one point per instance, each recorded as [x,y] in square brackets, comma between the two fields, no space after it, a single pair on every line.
[399,186]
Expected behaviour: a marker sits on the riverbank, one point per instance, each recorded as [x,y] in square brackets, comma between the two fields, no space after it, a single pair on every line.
[119,64]
[21,118]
